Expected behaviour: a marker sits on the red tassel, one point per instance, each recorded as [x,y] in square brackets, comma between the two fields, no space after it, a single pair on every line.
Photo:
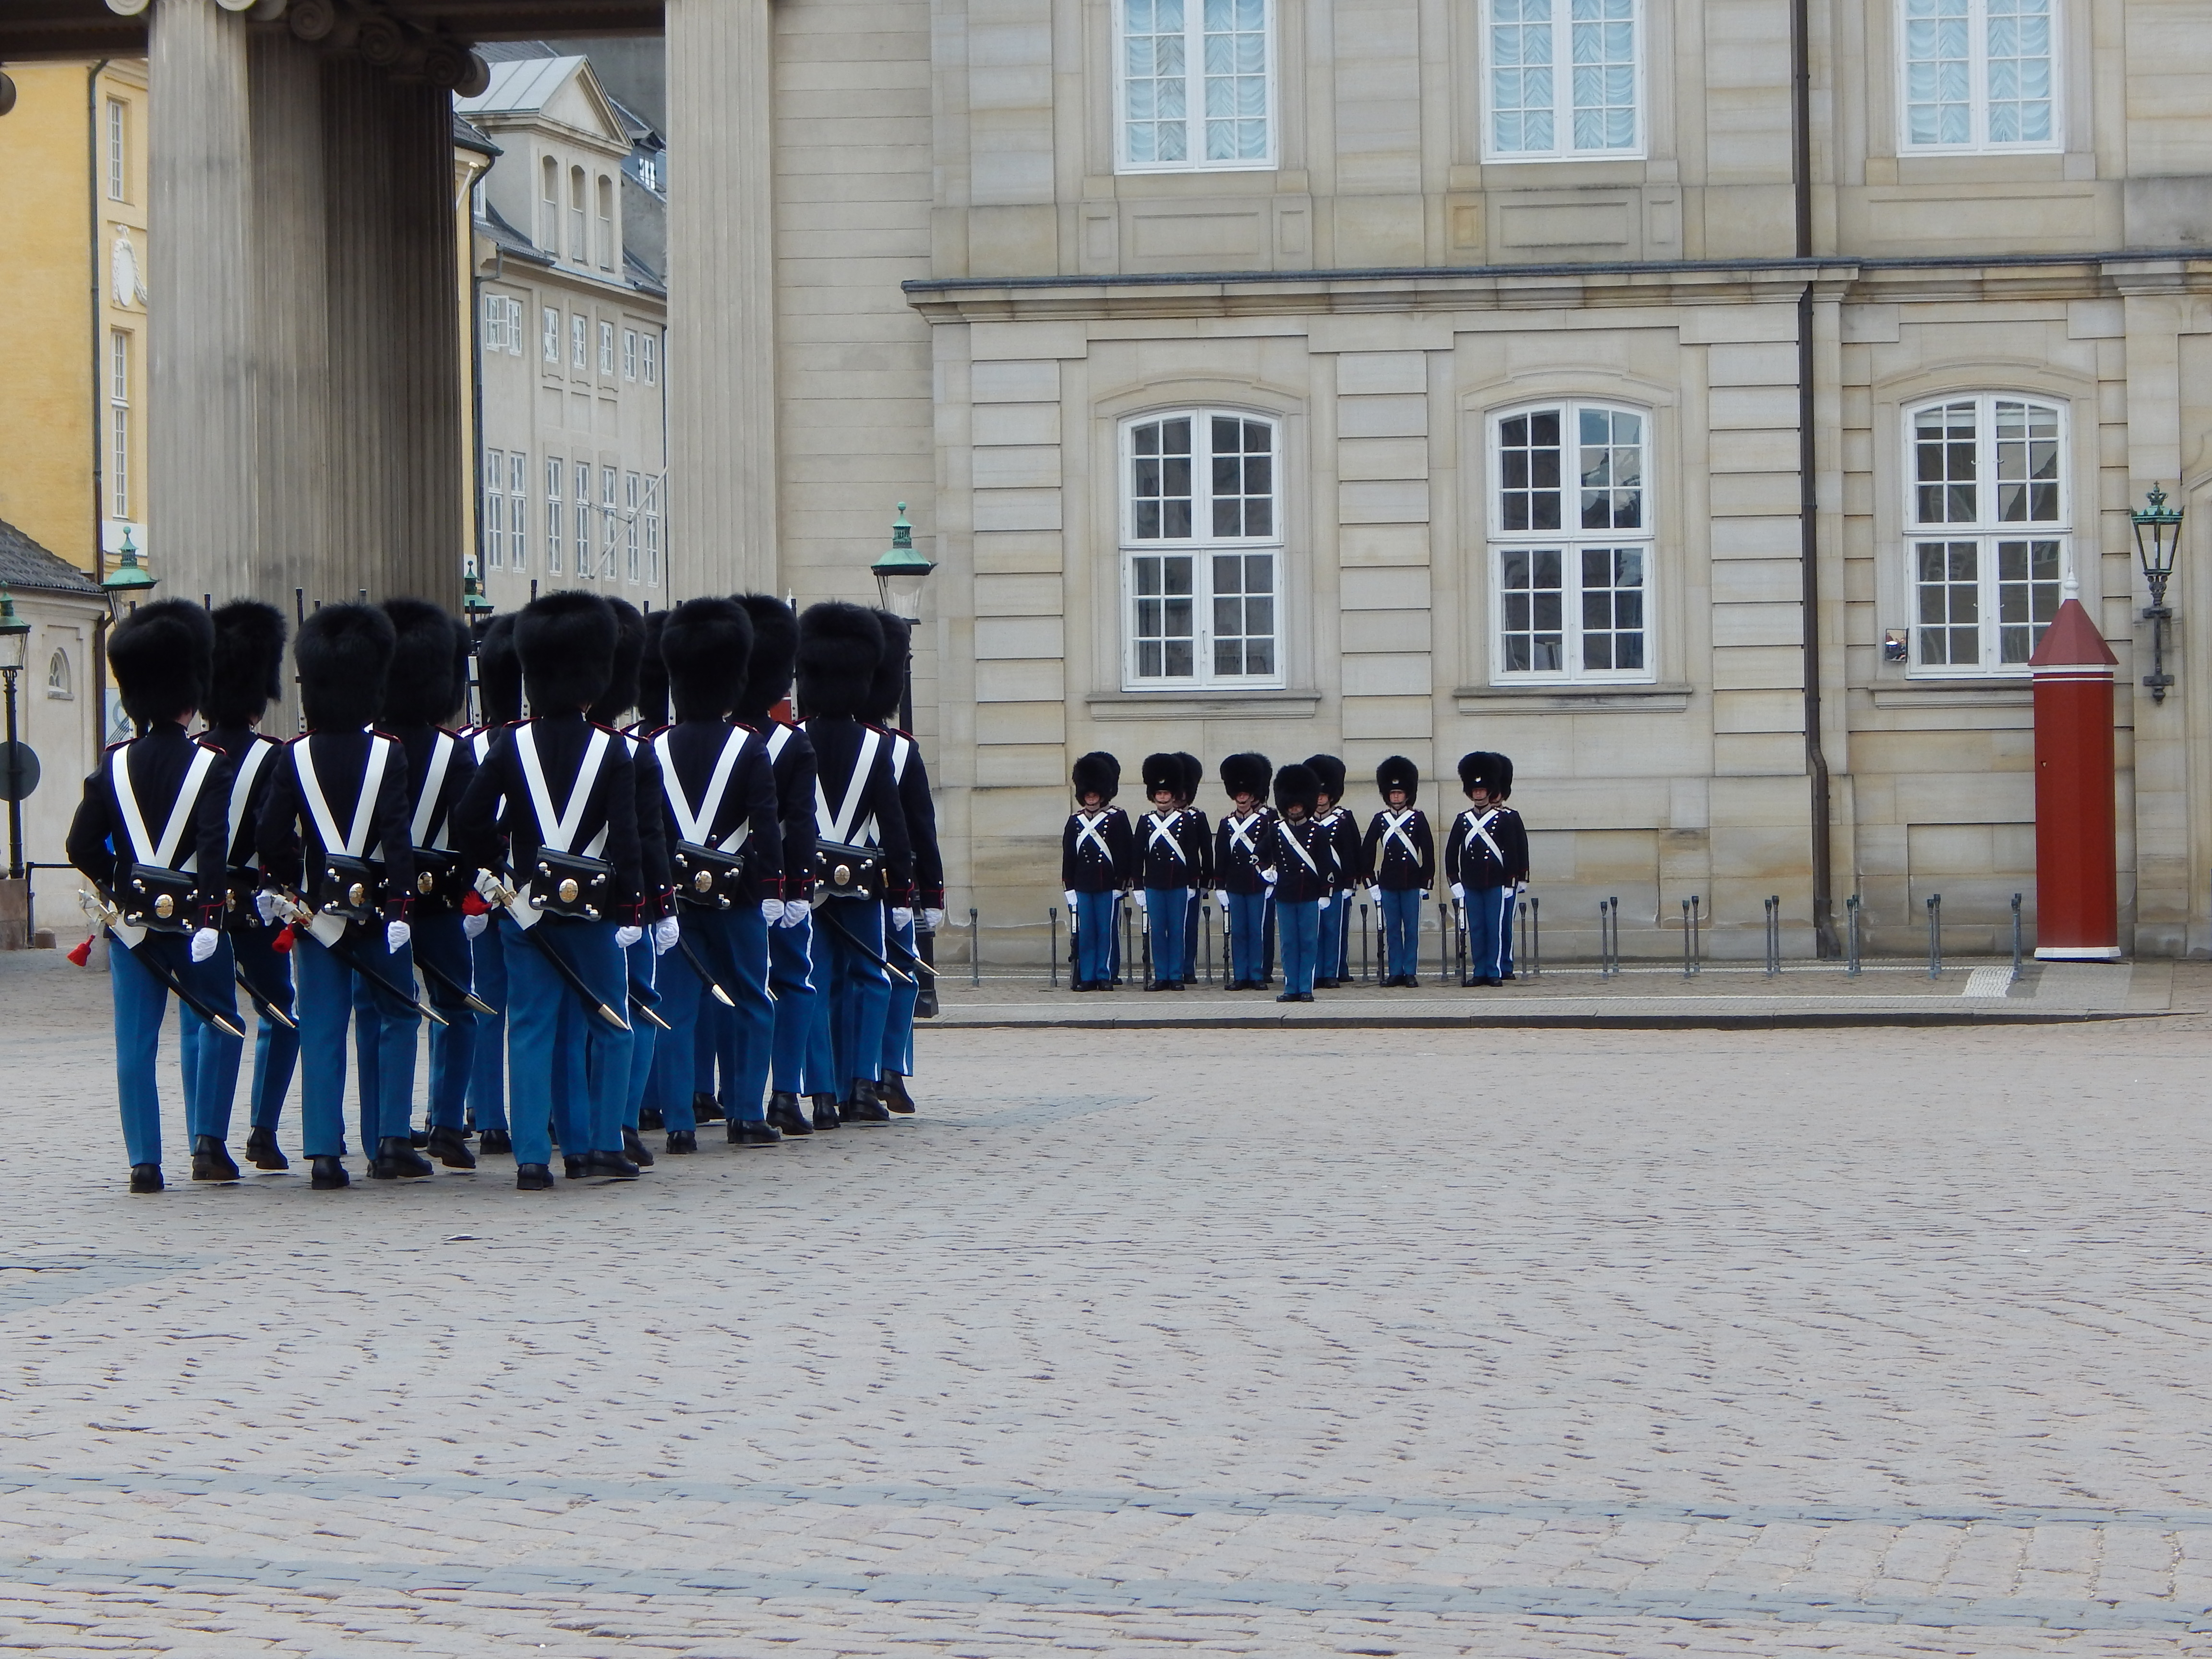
[82,954]
[473,904]
[283,940]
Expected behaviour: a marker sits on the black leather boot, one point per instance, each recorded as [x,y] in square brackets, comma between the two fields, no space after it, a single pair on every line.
[649,1117]
[610,1163]
[706,1108]
[211,1160]
[635,1150]
[681,1141]
[533,1178]
[785,1112]
[893,1090]
[753,1132]
[418,1139]
[450,1150]
[330,1174]
[864,1107]
[395,1158]
[145,1177]
[261,1150]
[573,1168]
[825,1113]
[495,1140]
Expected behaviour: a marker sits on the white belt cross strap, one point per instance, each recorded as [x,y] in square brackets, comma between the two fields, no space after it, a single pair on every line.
[1479,827]
[241,791]
[426,814]
[839,827]
[1296,846]
[776,741]
[1241,831]
[1162,833]
[143,848]
[556,830]
[902,747]
[364,807]
[1393,829]
[692,826]
[1089,832]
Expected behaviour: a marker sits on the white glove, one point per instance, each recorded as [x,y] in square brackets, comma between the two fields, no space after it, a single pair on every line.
[933,920]
[268,907]
[771,910]
[901,917]
[1459,894]
[666,932]
[1138,895]
[396,935]
[1069,895]
[204,944]
[1270,876]
[1222,899]
[795,912]
[1375,897]
[1324,901]
[626,936]
[473,926]
[1519,888]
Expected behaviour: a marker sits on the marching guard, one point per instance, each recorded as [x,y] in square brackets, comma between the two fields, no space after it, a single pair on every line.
[1171,853]
[1097,860]
[1400,858]
[339,794]
[1240,870]
[551,819]
[1486,861]
[1331,963]
[926,905]
[150,834]
[499,701]
[1202,876]
[1301,871]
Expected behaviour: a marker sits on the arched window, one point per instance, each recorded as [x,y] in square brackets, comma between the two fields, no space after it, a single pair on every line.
[606,223]
[1571,544]
[59,681]
[549,205]
[579,249]
[1202,550]
[1987,542]
[1195,80]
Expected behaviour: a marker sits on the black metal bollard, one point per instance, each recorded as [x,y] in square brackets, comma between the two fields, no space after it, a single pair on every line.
[1773,935]
[1852,935]
[975,948]
[1206,938]
[1685,938]
[1363,941]
[1697,934]
[1934,936]
[2015,936]
[1535,937]
[1052,920]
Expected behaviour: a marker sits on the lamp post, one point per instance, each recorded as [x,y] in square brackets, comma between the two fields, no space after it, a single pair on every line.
[900,574]
[14,647]
[128,583]
[2158,538]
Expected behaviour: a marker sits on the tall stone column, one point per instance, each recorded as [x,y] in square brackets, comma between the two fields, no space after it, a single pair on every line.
[721,298]
[423,380]
[363,333]
[201,425]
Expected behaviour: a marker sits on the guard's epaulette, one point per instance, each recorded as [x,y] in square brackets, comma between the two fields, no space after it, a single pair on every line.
[120,743]
[377,731]
[212,748]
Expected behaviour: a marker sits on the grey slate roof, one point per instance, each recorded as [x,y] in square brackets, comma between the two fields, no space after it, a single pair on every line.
[493,224]
[24,563]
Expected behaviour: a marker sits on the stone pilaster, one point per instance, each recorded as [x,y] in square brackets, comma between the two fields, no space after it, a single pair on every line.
[422,379]
[721,309]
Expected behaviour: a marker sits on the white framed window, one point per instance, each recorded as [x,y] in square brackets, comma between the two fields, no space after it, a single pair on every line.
[118,422]
[648,172]
[629,353]
[606,223]
[1195,84]
[495,323]
[118,155]
[1201,550]
[606,348]
[60,683]
[630,525]
[517,508]
[1979,76]
[584,561]
[649,349]
[652,534]
[514,309]
[1987,543]
[1562,79]
[550,326]
[553,476]
[580,252]
[608,522]
[1570,549]
[549,205]
[495,508]
[579,348]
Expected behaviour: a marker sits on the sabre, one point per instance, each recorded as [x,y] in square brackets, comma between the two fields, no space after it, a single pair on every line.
[642,999]
[865,949]
[268,1010]
[352,959]
[108,915]
[500,893]
[470,999]
[912,960]
[691,956]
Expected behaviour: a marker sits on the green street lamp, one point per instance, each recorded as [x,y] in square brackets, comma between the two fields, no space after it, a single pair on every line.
[901,572]
[2157,539]
[128,583]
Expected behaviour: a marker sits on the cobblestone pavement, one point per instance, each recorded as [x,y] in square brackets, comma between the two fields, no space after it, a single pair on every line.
[1858,1342]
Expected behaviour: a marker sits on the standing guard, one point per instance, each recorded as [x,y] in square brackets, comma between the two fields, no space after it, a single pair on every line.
[550,819]
[887,695]
[725,849]
[1399,859]
[249,661]
[339,794]
[1304,879]
[150,834]
[428,685]
[1097,860]
[1201,875]
[652,715]
[499,703]
[790,941]
[1171,859]
[1486,861]
[1239,869]
[1331,963]
[863,862]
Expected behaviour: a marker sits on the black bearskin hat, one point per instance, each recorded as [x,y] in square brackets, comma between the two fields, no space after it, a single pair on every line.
[567,643]
[1298,783]
[1330,770]
[838,647]
[1097,774]
[1163,772]
[1193,776]
[1398,772]
[653,676]
[1491,772]
[706,646]
[344,657]
[775,649]
[499,673]
[888,690]
[430,665]
[249,662]
[163,655]
[629,660]
[1247,774]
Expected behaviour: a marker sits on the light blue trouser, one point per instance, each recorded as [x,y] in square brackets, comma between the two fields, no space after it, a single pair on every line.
[1190,925]
[1165,916]
[1095,937]
[440,941]
[644,1034]
[706,1045]
[537,997]
[860,993]
[822,1077]
[488,1068]
[1247,921]
[745,1035]
[1332,953]
[141,999]
[1489,931]
[326,1000]
[209,1060]
[687,1006]
[572,1083]
[1299,927]
[1401,931]
[790,976]
[275,1050]
[898,1028]
[374,1015]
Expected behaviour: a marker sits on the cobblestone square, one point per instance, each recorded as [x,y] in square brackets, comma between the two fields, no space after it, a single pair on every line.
[1496,1342]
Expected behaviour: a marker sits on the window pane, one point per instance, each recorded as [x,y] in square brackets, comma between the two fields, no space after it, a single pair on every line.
[1533,638]
[1522,97]
[1943,464]
[1949,603]
[1528,470]
[2019,55]
[1613,608]
[1152,78]
[1938,93]
[1236,48]
[1160,480]
[1164,623]
[1243,613]
[1243,503]
[2028,463]
[1603,46]
[2028,587]
[1611,459]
